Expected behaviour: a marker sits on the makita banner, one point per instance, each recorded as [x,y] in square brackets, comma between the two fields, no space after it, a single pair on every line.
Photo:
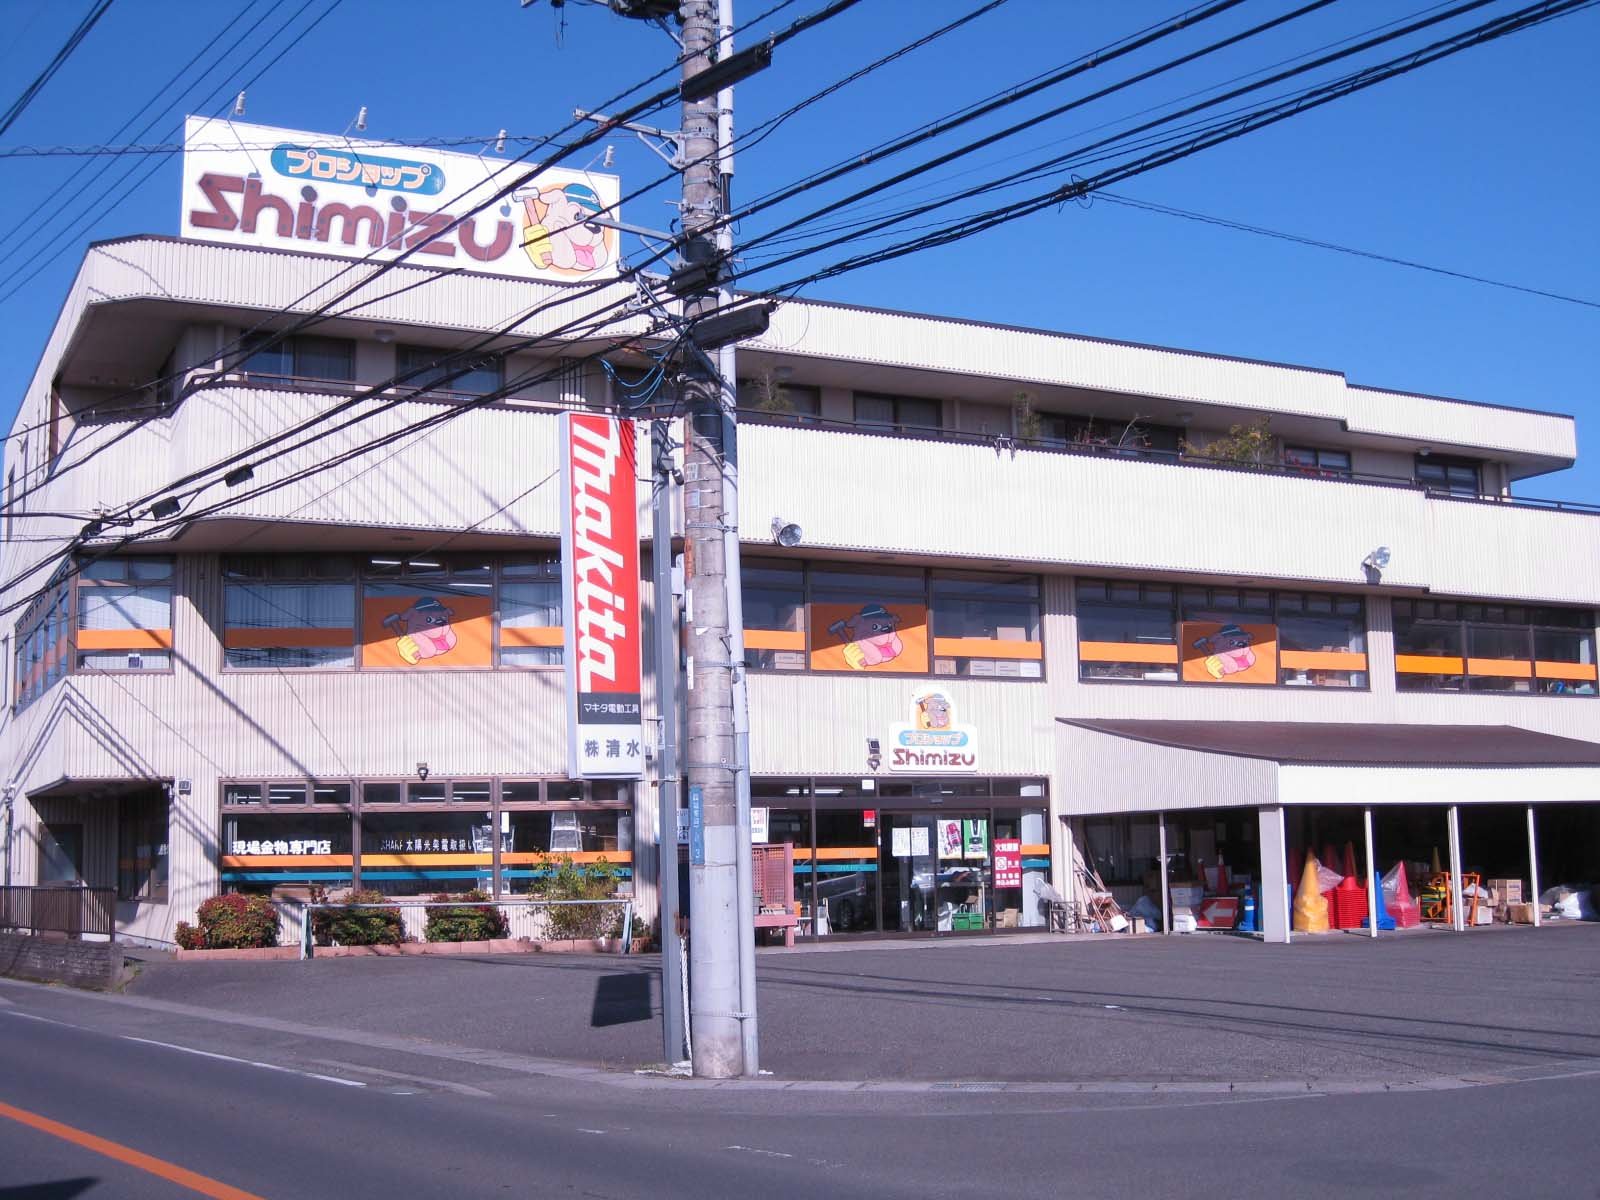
[290,190]
[600,596]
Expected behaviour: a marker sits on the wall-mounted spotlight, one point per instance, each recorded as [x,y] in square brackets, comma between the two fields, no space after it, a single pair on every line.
[422,771]
[239,475]
[361,119]
[786,533]
[238,105]
[165,507]
[874,754]
[500,142]
[610,157]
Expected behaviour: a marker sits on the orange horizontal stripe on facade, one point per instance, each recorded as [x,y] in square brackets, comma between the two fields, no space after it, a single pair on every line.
[969,647]
[1323,660]
[1427,664]
[774,639]
[124,639]
[1564,670]
[535,857]
[1039,848]
[532,635]
[827,853]
[1502,668]
[271,639]
[1139,652]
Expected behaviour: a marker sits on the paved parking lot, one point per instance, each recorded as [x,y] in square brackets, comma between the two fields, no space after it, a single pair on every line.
[1180,1008]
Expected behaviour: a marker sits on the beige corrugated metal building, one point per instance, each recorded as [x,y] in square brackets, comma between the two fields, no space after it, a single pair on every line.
[1004,530]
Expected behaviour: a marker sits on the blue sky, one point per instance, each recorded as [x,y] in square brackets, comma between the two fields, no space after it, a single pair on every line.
[1481,164]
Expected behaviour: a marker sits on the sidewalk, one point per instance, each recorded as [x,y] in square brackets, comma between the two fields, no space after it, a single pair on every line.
[1058,1009]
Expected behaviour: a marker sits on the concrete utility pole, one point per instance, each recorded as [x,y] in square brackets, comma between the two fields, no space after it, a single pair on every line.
[716,1015]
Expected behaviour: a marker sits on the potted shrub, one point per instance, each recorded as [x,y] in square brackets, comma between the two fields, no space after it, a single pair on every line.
[354,926]
[1246,446]
[562,879]
[473,921]
[231,922]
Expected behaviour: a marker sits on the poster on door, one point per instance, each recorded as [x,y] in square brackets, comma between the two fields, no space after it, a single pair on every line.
[950,843]
[975,838]
[1008,862]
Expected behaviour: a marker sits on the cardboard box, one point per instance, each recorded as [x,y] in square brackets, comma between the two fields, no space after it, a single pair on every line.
[1187,895]
[1519,914]
[1506,891]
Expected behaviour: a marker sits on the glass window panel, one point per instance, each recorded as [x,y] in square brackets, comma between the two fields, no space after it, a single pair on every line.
[439,852]
[521,792]
[330,793]
[472,377]
[125,660]
[380,793]
[113,607]
[145,569]
[427,793]
[286,793]
[846,586]
[244,794]
[324,358]
[874,410]
[1489,642]
[530,606]
[263,359]
[470,792]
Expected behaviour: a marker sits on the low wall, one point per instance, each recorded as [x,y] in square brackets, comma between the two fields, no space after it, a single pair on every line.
[56,960]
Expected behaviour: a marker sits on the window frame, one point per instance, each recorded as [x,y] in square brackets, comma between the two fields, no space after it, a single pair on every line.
[1317,466]
[293,348]
[925,595]
[1178,610]
[898,426]
[1447,464]
[429,372]
[81,583]
[1462,617]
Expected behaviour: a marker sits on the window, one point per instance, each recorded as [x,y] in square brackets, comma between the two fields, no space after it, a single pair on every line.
[1155,632]
[473,376]
[986,625]
[299,357]
[1452,646]
[142,848]
[899,414]
[825,617]
[272,619]
[773,401]
[43,650]
[125,614]
[327,612]
[531,630]
[1316,461]
[1457,476]
[60,852]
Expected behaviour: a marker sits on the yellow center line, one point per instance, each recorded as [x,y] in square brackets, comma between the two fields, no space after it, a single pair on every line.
[171,1172]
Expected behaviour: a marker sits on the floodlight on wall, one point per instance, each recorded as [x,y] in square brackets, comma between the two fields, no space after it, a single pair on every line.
[1378,559]
[874,754]
[786,533]
[164,508]
[422,771]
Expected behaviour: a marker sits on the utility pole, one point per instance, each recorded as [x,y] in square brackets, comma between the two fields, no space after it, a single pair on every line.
[712,762]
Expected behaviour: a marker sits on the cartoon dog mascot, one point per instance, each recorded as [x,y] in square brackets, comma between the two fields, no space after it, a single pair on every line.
[1228,652]
[422,631]
[870,637]
[560,233]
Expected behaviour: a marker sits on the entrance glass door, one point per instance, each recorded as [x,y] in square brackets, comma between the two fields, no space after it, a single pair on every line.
[906,872]
[964,884]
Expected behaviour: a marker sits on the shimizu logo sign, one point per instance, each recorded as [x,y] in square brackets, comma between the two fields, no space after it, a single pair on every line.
[933,742]
[600,595]
[259,186]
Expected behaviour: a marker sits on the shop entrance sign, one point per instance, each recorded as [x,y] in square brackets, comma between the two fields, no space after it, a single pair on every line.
[933,741]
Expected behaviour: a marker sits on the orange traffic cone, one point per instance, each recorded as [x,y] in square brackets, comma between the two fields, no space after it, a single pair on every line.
[1310,905]
[1349,860]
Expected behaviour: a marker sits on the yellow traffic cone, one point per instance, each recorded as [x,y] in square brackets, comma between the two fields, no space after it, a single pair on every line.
[1310,905]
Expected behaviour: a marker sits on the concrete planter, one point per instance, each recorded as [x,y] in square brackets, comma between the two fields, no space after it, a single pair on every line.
[263,954]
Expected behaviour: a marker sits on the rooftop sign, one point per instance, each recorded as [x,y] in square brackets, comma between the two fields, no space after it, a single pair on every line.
[259,186]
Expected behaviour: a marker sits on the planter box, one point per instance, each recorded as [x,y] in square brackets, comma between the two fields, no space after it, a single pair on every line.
[263,954]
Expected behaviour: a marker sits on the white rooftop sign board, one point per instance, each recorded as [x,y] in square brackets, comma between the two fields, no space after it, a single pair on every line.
[283,188]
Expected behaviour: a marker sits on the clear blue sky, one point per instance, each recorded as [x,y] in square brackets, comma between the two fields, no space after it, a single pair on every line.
[1482,164]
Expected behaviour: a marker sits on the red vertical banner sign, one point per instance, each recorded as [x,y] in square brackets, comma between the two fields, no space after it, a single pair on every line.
[600,596]
[1007,862]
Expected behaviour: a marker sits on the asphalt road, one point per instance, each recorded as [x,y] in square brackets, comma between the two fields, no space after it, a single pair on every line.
[1429,1065]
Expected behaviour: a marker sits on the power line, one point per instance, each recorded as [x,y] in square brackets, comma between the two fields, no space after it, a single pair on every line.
[20,104]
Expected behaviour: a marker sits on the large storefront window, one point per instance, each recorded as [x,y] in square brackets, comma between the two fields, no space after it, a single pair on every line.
[331,612]
[125,614]
[912,855]
[829,618]
[1144,632]
[1443,645]
[419,837]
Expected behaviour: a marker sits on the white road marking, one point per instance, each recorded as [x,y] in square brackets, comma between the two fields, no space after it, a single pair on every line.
[759,1150]
[358,1068]
[582,1130]
[249,1062]
[45,1020]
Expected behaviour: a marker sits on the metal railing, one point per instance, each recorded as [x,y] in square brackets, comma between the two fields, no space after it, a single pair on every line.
[1007,444]
[68,909]
[525,920]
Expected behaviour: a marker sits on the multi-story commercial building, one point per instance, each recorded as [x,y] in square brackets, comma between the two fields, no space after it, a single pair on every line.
[1045,611]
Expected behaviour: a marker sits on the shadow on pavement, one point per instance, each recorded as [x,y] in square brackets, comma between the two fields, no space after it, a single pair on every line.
[621,1000]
